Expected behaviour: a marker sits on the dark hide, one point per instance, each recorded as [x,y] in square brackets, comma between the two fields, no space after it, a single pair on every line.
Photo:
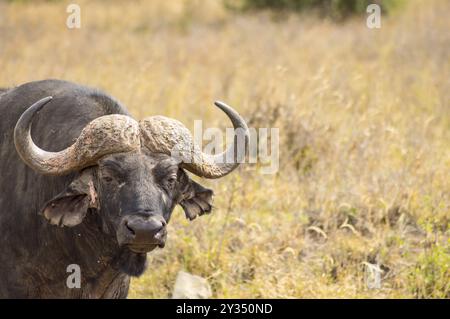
[34,254]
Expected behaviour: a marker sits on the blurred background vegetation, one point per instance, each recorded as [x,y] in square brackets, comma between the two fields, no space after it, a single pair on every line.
[364,121]
[336,9]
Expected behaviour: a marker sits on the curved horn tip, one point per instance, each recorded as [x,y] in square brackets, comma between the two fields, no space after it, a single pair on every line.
[40,104]
[47,98]
[227,109]
[221,104]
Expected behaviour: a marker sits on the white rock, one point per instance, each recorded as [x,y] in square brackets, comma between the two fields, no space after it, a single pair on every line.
[188,286]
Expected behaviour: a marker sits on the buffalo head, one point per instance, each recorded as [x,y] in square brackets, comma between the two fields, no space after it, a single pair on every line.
[130,173]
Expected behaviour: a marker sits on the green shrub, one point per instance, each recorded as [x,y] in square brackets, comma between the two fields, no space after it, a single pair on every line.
[333,8]
[431,276]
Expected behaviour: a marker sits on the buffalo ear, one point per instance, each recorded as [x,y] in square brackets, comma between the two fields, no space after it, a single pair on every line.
[70,206]
[197,200]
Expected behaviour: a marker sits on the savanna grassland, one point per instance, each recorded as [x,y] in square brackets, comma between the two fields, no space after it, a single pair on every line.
[364,122]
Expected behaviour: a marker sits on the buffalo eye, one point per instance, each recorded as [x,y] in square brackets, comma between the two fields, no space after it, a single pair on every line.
[111,172]
[170,182]
[107,179]
[108,175]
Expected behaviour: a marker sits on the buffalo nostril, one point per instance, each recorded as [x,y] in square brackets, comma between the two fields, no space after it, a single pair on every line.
[160,235]
[146,230]
[131,230]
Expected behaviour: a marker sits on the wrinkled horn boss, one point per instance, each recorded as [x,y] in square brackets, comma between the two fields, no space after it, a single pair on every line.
[169,136]
[119,133]
[105,135]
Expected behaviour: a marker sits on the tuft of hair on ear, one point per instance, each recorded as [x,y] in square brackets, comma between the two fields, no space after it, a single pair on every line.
[198,200]
[70,207]
[68,210]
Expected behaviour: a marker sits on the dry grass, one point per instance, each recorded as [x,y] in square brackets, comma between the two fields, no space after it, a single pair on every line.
[364,120]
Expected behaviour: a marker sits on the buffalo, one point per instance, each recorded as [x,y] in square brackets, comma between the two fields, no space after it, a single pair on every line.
[83,183]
